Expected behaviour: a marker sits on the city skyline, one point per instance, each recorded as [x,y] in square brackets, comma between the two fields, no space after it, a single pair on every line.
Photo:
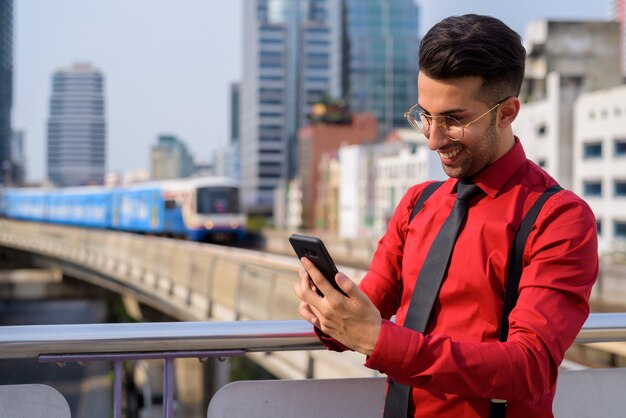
[165,77]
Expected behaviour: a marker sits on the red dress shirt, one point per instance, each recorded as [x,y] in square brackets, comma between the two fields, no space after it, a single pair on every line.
[458,364]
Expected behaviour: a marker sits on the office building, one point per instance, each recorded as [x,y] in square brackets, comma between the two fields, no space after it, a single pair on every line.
[170,159]
[618,13]
[226,161]
[18,157]
[227,158]
[297,52]
[318,138]
[234,112]
[77,127]
[6,89]
[600,162]
[291,58]
[380,51]
[360,186]
[564,60]
[403,161]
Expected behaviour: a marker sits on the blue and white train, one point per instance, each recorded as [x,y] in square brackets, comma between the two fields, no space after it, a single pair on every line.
[199,209]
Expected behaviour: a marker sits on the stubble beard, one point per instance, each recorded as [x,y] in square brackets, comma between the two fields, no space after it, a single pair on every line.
[473,164]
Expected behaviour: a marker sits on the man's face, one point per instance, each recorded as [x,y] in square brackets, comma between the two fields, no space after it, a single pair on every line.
[481,144]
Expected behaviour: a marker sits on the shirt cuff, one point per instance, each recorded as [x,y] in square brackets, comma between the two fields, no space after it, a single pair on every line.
[329,342]
[396,347]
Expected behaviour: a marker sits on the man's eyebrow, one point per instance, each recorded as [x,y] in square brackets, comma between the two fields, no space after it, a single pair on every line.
[445,113]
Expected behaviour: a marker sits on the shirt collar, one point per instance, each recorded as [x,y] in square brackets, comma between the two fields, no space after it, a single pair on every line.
[493,177]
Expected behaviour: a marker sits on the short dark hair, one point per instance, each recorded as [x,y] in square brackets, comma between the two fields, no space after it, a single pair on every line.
[475,45]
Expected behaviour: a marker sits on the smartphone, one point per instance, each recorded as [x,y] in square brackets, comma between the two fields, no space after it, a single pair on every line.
[314,249]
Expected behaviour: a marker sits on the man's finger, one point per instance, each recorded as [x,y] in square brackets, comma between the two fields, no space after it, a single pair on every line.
[345,284]
[307,313]
[317,277]
[305,289]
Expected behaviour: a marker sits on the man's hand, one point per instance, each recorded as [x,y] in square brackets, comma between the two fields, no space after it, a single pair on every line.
[353,321]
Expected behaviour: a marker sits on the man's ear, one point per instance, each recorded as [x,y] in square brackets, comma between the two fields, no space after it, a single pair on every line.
[507,112]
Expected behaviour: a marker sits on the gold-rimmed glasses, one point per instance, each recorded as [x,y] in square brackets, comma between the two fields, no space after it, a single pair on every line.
[450,126]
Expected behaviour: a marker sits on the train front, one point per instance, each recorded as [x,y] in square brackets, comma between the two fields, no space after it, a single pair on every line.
[216,213]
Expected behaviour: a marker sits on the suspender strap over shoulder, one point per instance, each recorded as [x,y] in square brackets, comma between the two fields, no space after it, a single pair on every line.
[511,292]
[428,190]
[516,258]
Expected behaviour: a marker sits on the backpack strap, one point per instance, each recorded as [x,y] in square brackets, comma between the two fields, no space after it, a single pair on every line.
[511,292]
[423,197]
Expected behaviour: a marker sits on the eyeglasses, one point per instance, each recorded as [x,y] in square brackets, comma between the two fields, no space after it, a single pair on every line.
[449,126]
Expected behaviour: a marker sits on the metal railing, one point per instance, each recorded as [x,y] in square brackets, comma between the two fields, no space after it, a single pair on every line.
[117,343]
[31,341]
[169,341]
[603,327]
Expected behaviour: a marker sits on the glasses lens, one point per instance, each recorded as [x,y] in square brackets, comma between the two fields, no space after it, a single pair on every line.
[448,125]
[423,122]
[413,118]
[451,127]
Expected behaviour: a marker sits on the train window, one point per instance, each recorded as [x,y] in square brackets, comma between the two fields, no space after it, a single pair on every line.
[212,200]
[170,204]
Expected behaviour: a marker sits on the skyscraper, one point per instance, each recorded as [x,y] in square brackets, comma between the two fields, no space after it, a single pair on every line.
[564,59]
[18,157]
[291,58]
[380,52]
[6,88]
[234,113]
[170,159]
[296,52]
[77,127]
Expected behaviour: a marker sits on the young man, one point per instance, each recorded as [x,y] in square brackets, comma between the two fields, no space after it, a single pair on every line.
[471,70]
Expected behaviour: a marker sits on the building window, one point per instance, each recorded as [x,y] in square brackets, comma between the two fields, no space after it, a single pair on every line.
[592,150]
[599,226]
[317,30]
[619,229]
[619,149]
[620,188]
[271,41]
[271,78]
[592,188]
[542,129]
[270,114]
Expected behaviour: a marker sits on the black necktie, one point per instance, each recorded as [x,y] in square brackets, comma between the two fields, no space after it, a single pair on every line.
[427,286]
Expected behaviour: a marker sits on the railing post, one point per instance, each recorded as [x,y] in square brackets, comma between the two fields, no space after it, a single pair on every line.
[168,388]
[117,389]
[119,357]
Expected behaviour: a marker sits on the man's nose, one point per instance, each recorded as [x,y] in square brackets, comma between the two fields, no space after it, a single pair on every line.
[437,139]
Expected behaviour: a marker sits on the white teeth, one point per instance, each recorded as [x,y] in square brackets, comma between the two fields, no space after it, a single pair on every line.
[450,154]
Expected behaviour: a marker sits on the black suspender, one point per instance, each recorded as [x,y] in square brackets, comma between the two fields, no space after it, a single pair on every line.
[498,407]
[428,190]
[515,259]
[511,291]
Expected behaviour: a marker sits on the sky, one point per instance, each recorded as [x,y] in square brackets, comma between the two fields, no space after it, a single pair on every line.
[168,65]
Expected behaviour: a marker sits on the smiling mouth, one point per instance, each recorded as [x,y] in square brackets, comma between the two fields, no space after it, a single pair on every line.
[450,153]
